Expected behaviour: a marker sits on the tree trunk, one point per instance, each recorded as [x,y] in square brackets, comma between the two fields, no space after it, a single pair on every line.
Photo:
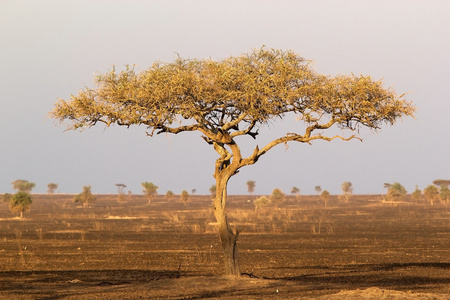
[228,238]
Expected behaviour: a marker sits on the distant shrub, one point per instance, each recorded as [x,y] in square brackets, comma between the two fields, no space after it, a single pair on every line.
[169,195]
[416,196]
[444,193]
[325,196]
[184,197]
[51,187]
[431,193]
[347,191]
[150,190]
[85,197]
[396,192]
[20,202]
[277,197]
[261,202]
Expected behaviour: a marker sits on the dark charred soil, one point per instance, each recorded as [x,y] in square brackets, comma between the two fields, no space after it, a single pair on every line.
[365,249]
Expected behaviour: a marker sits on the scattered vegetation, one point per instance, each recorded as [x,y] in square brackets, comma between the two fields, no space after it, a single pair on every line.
[441,182]
[23,185]
[121,191]
[261,202]
[444,193]
[277,197]
[431,193]
[150,190]
[296,191]
[347,191]
[416,196]
[169,195]
[325,196]
[395,192]
[251,186]
[184,197]
[20,202]
[51,188]
[318,189]
[85,197]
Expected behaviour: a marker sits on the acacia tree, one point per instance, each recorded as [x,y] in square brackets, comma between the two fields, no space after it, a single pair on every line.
[230,99]
[396,192]
[20,202]
[121,191]
[184,197]
[441,182]
[23,185]
[325,195]
[51,187]
[85,197]
[347,190]
[150,190]
[431,193]
[277,197]
[169,195]
[251,186]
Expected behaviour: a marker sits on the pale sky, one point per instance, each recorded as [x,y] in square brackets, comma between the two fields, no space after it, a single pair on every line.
[52,49]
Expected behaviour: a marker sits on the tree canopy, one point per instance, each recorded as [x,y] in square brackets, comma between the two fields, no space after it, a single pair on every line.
[20,202]
[234,95]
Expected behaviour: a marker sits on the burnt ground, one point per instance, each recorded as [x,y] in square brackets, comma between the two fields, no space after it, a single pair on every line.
[364,249]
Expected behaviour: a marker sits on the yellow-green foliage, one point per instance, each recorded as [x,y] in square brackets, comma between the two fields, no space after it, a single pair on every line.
[261,202]
[20,202]
[277,197]
[85,197]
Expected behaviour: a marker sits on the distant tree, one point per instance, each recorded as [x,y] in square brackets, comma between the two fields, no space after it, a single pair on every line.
[150,190]
[325,195]
[296,191]
[431,193]
[20,202]
[441,182]
[121,191]
[318,189]
[261,202]
[416,195]
[51,187]
[193,191]
[396,192]
[387,185]
[23,185]
[228,101]
[169,195]
[347,191]
[184,197]
[251,186]
[277,197]
[85,197]
[444,193]
[212,191]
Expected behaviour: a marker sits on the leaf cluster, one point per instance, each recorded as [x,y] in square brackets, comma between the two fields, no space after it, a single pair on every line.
[23,185]
[20,201]
[85,197]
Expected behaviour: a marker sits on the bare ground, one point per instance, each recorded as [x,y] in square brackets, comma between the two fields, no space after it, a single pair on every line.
[364,249]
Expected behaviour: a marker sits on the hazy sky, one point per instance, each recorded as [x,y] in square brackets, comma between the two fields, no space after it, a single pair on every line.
[52,49]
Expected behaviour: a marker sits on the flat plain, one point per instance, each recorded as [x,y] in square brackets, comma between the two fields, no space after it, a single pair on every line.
[363,249]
